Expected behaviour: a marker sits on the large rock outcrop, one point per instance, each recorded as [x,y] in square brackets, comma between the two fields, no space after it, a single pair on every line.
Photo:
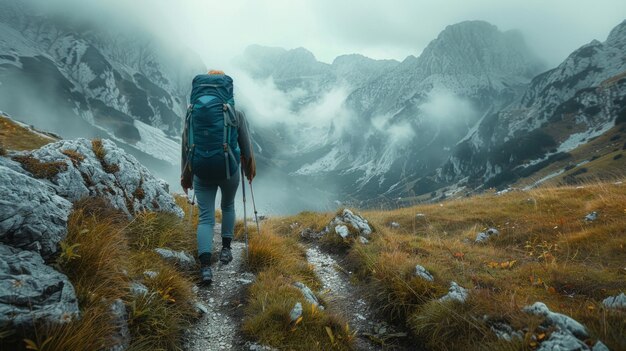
[32,216]
[32,292]
[100,168]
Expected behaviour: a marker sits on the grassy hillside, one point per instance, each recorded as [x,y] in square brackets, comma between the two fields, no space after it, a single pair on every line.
[103,254]
[546,252]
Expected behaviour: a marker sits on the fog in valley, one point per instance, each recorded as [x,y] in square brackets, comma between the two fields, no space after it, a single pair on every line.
[304,120]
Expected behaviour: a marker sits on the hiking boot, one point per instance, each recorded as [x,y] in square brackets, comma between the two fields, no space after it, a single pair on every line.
[206,274]
[226,256]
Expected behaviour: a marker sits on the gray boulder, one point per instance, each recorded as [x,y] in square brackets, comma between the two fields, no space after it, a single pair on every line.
[32,216]
[483,237]
[599,346]
[342,230]
[179,258]
[562,341]
[308,294]
[505,332]
[9,163]
[455,293]
[138,289]
[31,292]
[615,302]
[112,174]
[358,223]
[560,321]
[296,312]
[421,272]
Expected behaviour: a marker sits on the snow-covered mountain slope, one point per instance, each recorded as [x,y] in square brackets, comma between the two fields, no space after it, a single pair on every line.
[561,109]
[298,71]
[91,80]
[407,119]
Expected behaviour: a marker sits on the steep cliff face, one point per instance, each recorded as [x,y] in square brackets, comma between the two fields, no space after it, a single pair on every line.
[560,110]
[91,80]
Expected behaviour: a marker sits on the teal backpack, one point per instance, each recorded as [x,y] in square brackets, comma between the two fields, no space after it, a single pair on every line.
[210,148]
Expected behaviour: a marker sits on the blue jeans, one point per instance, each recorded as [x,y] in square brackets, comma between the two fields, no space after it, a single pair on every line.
[205,192]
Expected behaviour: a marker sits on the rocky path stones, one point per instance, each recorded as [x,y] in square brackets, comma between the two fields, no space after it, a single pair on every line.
[345,299]
[219,327]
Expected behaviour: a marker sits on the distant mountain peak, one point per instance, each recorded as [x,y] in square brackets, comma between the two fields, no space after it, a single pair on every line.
[477,47]
[618,34]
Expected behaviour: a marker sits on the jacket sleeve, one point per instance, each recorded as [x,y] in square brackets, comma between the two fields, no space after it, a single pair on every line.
[244,140]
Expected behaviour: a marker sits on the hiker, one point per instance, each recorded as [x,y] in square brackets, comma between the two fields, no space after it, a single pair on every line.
[215,140]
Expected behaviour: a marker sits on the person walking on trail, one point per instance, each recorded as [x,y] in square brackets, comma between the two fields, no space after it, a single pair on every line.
[216,143]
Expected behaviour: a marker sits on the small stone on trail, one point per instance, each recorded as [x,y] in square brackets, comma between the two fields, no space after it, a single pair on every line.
[200,308]
[354,220]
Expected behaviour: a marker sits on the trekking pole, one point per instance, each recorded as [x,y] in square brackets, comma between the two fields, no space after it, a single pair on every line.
[256,217]
[192,203]
[245,219]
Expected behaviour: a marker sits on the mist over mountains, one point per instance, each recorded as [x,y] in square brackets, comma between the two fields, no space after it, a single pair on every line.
[475,109]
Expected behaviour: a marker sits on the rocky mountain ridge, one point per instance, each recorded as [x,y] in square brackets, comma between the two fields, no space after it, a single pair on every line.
[468,111]
[92,80]
[562,109]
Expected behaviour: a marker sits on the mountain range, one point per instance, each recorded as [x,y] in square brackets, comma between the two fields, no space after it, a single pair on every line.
[477,108]
[95,80]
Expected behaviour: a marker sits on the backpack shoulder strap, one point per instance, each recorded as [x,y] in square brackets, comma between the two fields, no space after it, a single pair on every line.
[189,126]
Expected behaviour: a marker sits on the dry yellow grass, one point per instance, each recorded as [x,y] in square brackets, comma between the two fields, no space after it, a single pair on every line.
[39,169]
[280,262]
[546,252]
[15,137]
[103,252]
[100,152]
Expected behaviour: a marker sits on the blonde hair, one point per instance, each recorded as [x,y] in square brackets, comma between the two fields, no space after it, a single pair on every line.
[215,72]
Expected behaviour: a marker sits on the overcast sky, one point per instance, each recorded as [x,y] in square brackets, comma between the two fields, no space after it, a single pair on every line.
[375,28]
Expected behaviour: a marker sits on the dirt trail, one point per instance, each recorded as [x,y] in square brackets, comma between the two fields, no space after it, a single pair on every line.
[219,328]
[345,299]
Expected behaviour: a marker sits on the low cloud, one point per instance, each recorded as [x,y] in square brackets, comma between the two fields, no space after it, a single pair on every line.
[443,106]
